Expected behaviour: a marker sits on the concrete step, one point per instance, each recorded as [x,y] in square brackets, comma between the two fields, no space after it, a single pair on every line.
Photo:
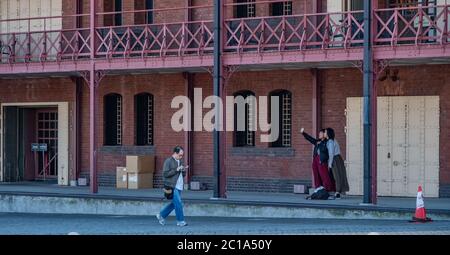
[13,203]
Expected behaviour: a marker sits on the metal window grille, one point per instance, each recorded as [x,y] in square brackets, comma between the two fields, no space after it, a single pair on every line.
[150,120]
[47,132]
[287,8]
[251,9]
[250,123]
[287,119]
[119,120]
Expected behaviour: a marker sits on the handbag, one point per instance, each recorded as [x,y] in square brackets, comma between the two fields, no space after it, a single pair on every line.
[168,192]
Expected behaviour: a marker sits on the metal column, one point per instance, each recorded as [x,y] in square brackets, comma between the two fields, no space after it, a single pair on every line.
[92,106]
[219,176]
[370,108]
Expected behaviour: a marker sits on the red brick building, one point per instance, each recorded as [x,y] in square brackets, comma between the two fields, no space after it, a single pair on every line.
[310,49]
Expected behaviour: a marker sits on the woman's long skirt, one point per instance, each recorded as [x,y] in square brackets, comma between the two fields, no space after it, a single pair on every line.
[340,175]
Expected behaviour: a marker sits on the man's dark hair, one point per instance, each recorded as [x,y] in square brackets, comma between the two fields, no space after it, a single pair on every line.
[323,130]
[330,133]
[178,149]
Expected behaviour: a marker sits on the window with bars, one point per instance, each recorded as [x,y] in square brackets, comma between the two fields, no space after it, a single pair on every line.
[112,120]
[245,9]
[285,113]
[281,8]
[246,137]
[144,110]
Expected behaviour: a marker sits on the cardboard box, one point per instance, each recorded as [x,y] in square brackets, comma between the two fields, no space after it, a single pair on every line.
[141,164]
[121,178]
[300,189]
[82,182]
[195,185]
[140,181]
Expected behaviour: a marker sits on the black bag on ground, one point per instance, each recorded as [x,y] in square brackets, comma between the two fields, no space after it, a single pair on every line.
[319,194]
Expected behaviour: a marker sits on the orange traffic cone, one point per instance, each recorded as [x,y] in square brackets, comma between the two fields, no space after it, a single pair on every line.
[421,215]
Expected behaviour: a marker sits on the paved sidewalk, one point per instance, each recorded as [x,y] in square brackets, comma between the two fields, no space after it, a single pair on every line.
[389,203]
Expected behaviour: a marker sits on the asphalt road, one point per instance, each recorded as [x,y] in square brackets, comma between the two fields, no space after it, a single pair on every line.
[45,224]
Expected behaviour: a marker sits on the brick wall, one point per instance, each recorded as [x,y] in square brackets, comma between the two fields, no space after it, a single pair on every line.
[264,163]
[414,81]
[260,162]
[163,87]
[39,90]
[171,15]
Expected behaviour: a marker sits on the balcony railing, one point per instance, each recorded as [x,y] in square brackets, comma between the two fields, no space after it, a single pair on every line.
[324,31]
[297,32]
[155,40]
[413,25]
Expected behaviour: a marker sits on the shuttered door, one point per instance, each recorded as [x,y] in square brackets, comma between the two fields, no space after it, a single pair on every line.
[408,145]
[399,153]
[384,146]
[432,135]
[354,156]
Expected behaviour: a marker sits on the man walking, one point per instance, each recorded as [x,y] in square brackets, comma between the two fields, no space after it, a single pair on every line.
[174,172]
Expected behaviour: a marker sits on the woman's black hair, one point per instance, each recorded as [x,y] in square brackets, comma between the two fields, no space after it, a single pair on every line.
[330,133]
[322,130]
[178,149]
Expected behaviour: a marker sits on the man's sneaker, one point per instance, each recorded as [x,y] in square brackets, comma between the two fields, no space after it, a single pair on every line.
[337,196]
[182,224]
[160,219]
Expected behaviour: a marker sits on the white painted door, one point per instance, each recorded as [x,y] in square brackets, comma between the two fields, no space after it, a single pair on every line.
[408,145]
[431,144]
[354,130]
[384,137]
[399,143]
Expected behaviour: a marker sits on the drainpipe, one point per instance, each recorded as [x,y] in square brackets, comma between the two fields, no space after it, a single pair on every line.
[92,107]
[189,138]
[369,105]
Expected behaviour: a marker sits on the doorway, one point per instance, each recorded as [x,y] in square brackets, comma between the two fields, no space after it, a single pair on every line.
[407,145]
[34,143]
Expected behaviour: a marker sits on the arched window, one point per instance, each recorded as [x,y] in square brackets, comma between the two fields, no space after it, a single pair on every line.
[285,113]
[244,127]
[112,120]
[143,112]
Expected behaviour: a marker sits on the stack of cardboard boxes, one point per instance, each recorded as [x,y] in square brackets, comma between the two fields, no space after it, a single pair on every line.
[138,173]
